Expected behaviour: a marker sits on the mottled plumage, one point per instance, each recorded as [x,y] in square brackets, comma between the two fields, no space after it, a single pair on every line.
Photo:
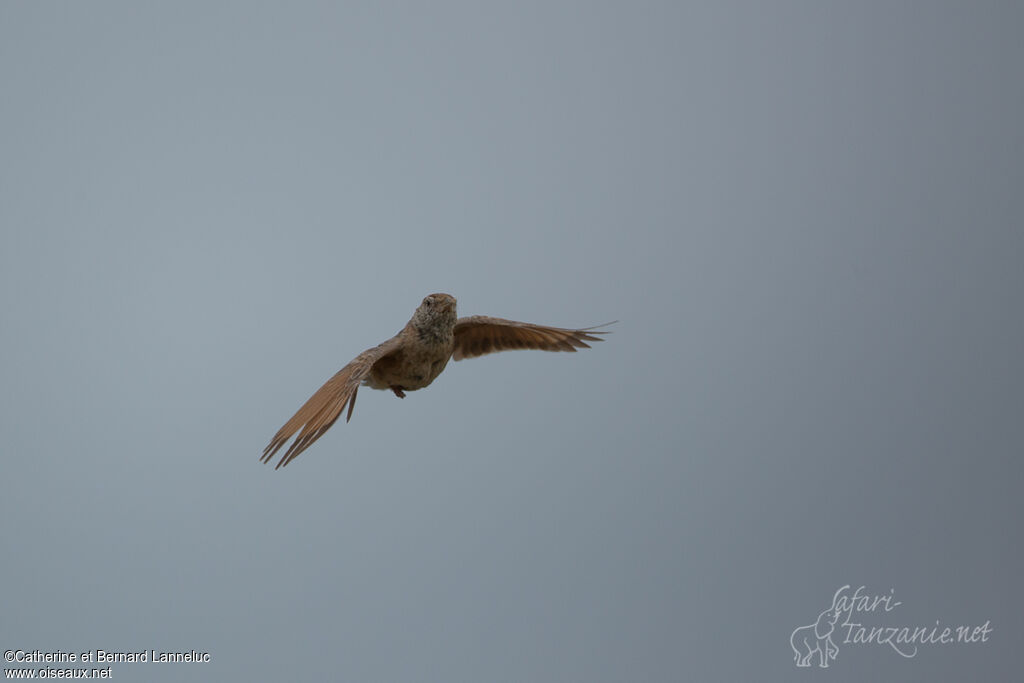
[412,359]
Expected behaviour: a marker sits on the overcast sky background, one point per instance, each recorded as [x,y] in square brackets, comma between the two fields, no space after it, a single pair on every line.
[807,218]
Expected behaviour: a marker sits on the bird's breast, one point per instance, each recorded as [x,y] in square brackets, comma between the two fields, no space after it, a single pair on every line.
[411,368]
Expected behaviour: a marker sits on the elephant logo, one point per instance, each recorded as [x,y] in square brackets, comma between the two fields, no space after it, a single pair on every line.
[816,638]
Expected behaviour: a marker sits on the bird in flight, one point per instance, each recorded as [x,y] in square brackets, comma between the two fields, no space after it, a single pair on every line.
[412,359]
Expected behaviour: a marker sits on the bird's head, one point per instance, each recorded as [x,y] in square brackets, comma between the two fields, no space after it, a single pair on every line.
[436,313]
[438,302]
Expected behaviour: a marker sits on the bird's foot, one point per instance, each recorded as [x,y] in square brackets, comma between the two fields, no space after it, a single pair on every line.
[398,391]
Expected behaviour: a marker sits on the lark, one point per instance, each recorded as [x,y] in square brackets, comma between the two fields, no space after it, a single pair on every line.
[412,359]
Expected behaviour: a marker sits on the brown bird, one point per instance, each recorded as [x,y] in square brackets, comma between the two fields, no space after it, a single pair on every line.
[412,359]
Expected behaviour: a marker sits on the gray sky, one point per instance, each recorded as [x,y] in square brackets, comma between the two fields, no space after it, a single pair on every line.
[806,216]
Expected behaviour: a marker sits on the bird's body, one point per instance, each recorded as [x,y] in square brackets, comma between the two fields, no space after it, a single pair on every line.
[412,359]
[429,339]
[410,369]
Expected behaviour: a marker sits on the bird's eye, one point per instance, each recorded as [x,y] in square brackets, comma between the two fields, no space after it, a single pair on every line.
[428,301]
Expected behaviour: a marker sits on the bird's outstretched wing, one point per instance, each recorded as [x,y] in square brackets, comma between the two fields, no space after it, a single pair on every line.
[321,410]
[479,334]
